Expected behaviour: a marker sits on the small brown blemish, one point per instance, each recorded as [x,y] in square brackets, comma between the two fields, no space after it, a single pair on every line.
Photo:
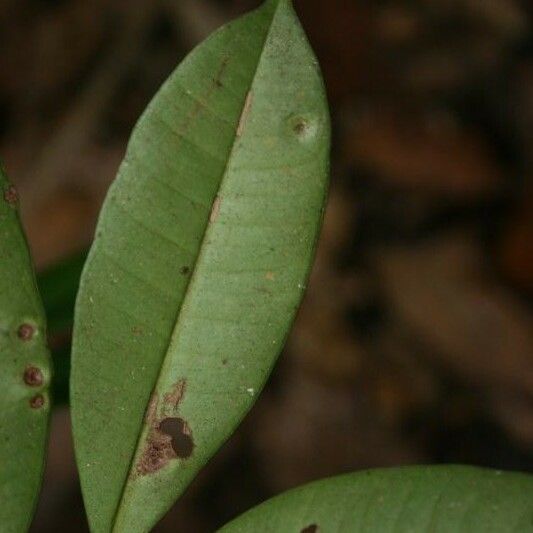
[37,401]
[158,450]
[270,276]
[25,332]
[11,196]
[245,113]
[33,376]
[300,126]
[313,528]
[185,270]
[173,398]
[224,362]
[215,210]
[180,434]
[136,330]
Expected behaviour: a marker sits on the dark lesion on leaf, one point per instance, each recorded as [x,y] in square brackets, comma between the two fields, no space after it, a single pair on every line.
[299,126]
[33,376]
[170,436]
[37,401]
[180,434]
[157,453]
[312,528]
[26,332]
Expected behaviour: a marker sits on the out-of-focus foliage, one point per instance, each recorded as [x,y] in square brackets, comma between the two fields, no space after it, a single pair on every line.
[431,190]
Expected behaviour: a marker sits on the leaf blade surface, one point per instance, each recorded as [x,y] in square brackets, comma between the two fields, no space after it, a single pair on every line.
[25,373]
[201,256]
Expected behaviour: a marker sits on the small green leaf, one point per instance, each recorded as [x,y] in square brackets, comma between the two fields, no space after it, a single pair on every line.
[199,264]
[443,499]
[24,375]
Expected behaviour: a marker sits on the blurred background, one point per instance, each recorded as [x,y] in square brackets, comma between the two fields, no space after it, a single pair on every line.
[415,341]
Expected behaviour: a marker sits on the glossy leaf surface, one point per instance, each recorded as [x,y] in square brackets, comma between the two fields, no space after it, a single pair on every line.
[24,375]
[199,264]
[442,499]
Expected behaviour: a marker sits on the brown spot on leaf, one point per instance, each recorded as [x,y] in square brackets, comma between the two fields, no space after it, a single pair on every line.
[185,270]
[245,113]
[169,438]
[172,438]
[158,450]
[37,401]
[173,398]
[180,434]
[11,196]
[157,453]
[25,332]
[313,528]
[305,128]
[300,126]
[33,376]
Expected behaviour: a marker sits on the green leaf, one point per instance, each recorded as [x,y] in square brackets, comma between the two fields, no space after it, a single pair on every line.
[24,375]
[443,499]
[200,261]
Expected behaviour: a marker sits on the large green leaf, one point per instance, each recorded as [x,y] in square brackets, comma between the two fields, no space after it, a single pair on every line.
[445,499]
[200,261]
[24,374]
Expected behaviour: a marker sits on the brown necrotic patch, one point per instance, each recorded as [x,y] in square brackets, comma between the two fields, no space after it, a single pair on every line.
[157,453]
[312,528]
[299,127]
[169,437]
[37,401]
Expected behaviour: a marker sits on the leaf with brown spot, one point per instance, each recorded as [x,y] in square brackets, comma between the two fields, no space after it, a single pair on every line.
[218,188]
[24,374]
